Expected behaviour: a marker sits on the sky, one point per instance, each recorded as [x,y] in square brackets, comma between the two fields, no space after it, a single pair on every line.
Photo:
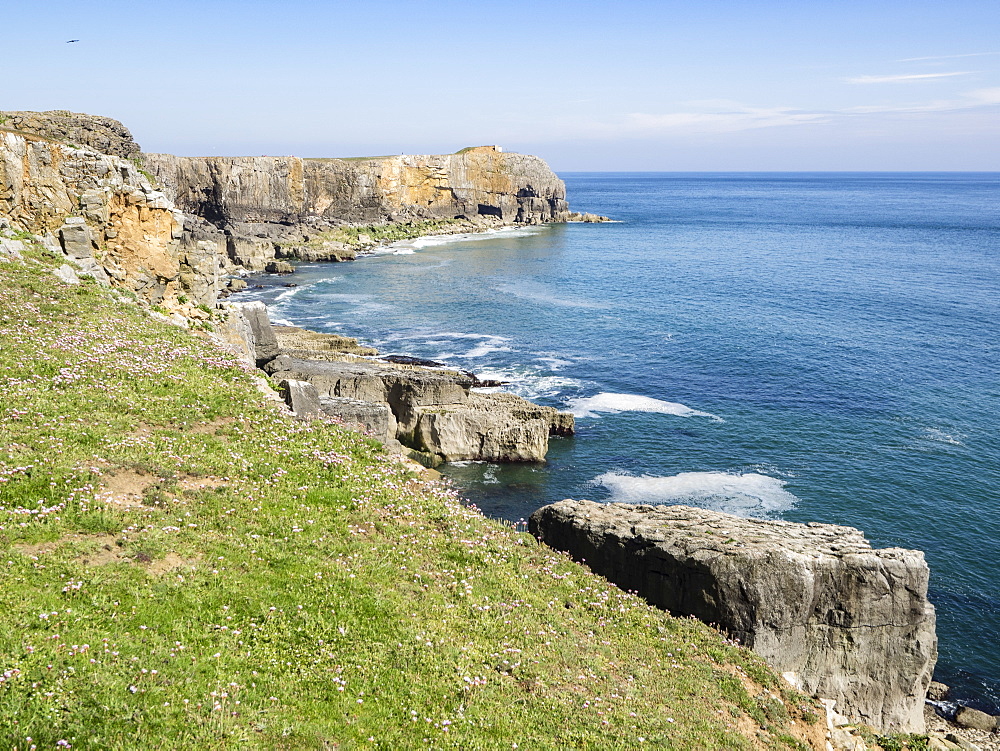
[587,86]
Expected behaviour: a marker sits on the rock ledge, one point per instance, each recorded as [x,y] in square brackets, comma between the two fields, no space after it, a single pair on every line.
[842,620]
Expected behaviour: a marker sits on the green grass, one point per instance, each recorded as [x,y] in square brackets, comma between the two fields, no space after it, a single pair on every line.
[184,567]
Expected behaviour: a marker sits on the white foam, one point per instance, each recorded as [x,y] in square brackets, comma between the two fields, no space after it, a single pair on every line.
[537,292]
[615,403]
[745,495]
[406,247]
[484,349]
[554,363]
[526,383]
[939,436]
[290,293]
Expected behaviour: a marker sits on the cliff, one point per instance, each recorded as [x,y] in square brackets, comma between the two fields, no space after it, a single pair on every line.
[256,209]
[101,134]
[98,209]
[843,621]
[481,182]
[179,229]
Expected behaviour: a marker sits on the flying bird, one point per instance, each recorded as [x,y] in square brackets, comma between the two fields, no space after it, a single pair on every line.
[72,40]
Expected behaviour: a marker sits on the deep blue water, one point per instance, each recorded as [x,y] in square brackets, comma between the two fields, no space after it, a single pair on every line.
[812,347]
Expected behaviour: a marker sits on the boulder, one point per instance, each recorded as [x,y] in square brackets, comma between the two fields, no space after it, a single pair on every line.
[67,274]
[375,420]
[850,623]
[75,238]
[575,216]
[967,717]
[301,396]
[962,743]
[279,267]
[937,691]
[11,248]
[262,341]
[487,427]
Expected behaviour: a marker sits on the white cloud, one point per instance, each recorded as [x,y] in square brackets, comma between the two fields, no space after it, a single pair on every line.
[746,118]
[970,100]
[945,57]
[718,116]
[906,77]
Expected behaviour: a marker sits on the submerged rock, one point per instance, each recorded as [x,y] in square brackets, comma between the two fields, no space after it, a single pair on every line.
[848,622]
[575,216]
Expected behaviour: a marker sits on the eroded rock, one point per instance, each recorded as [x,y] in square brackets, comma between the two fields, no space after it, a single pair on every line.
[853,624]
[433,410]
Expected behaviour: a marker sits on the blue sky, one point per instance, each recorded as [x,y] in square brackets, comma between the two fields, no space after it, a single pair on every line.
[632,85]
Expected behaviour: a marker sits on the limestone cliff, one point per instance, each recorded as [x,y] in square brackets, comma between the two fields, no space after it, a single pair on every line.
[101,134]
[477,182]
[97,208]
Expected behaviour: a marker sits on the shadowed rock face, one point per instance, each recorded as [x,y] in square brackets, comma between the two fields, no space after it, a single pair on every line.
[478,182]
[852,623]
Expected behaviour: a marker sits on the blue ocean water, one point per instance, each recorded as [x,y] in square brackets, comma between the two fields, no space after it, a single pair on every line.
[811,347]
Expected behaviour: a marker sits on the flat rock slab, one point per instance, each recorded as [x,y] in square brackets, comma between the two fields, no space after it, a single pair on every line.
[850,623]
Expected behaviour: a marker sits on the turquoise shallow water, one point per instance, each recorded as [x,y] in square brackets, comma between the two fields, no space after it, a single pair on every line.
[812,347]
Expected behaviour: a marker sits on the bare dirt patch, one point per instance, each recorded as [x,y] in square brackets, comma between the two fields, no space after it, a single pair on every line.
[191,482]
[209,428]
[125,488]
[170,562]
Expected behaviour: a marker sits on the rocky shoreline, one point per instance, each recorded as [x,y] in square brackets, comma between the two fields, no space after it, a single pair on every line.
[179,238]
[431,413]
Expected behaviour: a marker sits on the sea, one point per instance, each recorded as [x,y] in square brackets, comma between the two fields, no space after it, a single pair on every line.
[814,347]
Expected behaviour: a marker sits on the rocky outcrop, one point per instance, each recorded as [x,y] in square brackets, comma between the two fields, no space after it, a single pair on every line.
[314,345]
[586,218]
[844,621]
[429,410]
[100,210]
[101,134]
[433,411]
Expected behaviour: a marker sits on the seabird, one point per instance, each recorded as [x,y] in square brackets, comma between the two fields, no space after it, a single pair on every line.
[72,40]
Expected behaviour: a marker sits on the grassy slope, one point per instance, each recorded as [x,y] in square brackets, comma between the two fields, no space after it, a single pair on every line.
[181,566]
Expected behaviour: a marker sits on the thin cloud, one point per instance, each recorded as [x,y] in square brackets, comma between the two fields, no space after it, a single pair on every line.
[945,57]
[732,117]
[970,100]
[906,77]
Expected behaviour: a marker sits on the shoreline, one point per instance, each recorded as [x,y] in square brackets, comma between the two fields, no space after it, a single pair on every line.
[385,249]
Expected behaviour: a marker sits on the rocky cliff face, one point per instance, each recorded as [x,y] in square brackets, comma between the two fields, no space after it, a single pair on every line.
[478,182]
[242,212]
[100,134]
[848,623]
[97,208]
